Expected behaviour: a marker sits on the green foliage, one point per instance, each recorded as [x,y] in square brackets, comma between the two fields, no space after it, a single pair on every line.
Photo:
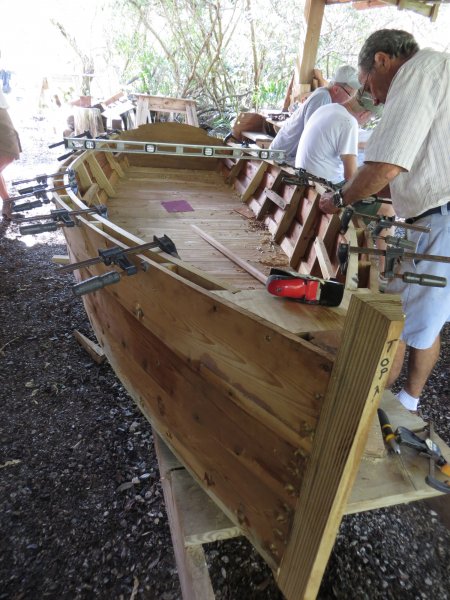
[270,94]
[226,54]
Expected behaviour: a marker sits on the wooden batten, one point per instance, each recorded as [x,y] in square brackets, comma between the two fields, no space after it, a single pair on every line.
[84,178]
[301,233]
[234,171]
[278,220]
[101,178]
[92,194]
[266,194]
[255,180]
[114,164]
[324,260]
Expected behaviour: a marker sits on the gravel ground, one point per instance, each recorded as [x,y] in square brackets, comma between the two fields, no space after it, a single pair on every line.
[82,513]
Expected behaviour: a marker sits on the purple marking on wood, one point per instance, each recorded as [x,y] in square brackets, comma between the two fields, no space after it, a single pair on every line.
[177,206]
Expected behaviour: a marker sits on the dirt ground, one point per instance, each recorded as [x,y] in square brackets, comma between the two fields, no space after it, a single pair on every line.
[81,508]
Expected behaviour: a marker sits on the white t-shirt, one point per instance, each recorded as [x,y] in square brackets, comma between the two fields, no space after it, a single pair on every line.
[414,133]
[288,137]
[363,138]
[331,132]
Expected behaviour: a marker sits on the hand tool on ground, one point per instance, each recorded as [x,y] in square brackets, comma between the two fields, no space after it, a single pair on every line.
[430,449]
[377,222]
[389,438]
[393,256]
[304,288]
[388,432]
[117,255]
[60,218]
[436,458]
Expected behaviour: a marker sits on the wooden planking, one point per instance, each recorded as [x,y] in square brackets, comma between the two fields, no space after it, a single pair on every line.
[213,435]
[138,201]
[355,389]
[204,328]
[295,317]
[176,133]
[260,139]
[201,519]
[261,277]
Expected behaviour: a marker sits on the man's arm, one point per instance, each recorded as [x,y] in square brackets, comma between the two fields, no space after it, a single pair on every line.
[350,165]
[368,180]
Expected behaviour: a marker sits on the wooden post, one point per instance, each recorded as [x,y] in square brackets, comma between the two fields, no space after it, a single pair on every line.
[314,10]
[348,411]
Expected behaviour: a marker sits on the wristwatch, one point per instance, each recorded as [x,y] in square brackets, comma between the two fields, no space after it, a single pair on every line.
[338,199]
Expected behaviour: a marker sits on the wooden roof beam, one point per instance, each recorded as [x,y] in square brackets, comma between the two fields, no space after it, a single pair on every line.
[426,8]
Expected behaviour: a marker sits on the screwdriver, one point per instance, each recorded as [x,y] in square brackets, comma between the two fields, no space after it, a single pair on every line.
[387,431]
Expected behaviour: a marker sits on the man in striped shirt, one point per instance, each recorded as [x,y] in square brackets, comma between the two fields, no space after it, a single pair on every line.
[410,151]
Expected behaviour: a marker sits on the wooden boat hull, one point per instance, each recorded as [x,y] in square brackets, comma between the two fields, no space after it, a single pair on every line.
[247,390]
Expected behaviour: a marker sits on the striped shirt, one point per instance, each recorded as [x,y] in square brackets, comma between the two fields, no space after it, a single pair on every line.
[414,133]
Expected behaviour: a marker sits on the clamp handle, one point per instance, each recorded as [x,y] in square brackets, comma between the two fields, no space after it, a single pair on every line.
[427,280]
[27,206]
[38,228]
[95,283]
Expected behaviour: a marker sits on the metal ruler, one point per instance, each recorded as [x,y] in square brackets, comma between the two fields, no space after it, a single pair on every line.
[173,149]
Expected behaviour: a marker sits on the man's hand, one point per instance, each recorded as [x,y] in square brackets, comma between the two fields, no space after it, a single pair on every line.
[326,203]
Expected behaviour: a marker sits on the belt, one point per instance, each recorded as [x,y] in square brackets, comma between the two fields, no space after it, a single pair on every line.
[432,211]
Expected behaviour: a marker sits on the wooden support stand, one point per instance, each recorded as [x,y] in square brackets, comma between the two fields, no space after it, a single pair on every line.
[146,103]
[195,519]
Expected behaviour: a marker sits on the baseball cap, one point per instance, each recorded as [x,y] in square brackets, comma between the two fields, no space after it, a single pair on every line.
[346,75]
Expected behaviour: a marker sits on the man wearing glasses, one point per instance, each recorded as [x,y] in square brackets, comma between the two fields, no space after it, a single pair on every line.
[343,85]
[328,147]
[409,151]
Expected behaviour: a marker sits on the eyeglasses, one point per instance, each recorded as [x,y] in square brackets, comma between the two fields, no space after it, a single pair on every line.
[343,88]
[365,88]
